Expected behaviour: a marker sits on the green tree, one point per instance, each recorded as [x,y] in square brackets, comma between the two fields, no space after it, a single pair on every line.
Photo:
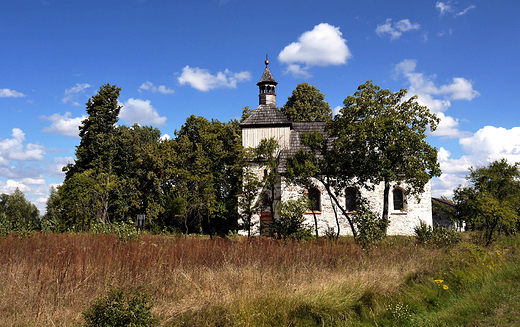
[491,200]
[307,103]
[319,161]
[17,213]
[97,132]
[249,202]
[206,176]
[267,155]
[382,137]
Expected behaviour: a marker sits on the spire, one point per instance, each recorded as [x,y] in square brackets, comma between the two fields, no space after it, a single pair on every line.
[267,86]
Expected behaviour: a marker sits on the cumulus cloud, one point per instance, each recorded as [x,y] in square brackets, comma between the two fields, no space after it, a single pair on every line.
[148,86]
[7,93]
[13,149]
[481,148]
[72,93]
[63,124]
[397,29]
[437,98]
[203,80]
[323,46]
[141,112]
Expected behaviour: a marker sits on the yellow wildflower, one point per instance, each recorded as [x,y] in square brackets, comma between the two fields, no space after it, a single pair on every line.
[445,287]
[498,252]
[439,282]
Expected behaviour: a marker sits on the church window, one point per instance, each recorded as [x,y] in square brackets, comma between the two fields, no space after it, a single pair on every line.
[315,199]
[351,198]
[398,199]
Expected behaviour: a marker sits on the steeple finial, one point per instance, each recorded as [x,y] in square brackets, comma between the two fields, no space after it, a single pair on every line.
[266,60]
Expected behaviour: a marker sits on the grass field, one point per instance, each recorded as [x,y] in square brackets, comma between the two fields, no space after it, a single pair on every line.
[49,280]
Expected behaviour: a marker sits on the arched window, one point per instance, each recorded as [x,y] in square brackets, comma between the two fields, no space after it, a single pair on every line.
[351,198]
[315,199]
[398,199]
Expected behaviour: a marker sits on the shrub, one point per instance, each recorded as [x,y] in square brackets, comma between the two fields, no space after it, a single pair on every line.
[290,224]
[371,229]
[121,308]
[438,235]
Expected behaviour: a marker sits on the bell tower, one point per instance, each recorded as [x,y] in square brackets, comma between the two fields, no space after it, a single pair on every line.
[267,86]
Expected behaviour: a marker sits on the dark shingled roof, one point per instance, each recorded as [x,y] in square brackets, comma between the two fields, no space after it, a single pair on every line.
[297,130]
[265,116]
[267,77]
[304,127]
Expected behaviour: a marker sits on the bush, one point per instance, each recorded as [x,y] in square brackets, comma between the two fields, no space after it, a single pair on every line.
[125,231]
[438,235]
[121,308]
[371,229]
[290,224]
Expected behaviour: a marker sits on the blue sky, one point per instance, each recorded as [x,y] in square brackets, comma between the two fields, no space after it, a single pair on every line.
[173,59]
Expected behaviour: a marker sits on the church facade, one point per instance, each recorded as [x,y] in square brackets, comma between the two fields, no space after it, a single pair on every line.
[267,121]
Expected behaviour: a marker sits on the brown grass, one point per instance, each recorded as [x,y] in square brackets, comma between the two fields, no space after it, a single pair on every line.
[48,280]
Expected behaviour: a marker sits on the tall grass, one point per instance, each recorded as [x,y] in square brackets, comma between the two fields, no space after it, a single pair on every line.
[50,279]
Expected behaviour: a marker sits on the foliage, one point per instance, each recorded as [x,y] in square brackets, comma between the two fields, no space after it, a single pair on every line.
[307,103]
[95,150]
[291,220]
[381,136]
[125,231]
[121,307]
[268,156]
[205,175]
[438,235]
[189,183]
[491,201]
[249,202]
[370,228]
[17,213]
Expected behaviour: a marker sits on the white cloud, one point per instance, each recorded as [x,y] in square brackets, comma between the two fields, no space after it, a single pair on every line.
[140,112]
[437,98]
[481,148]
[446,7]
[7,93]
[397,29]
[493,143]
[148,86]
[11,185]
[63,125]
[13,149]
[443,7]
[323,46]
[203,80]
[465,11]
[72,93]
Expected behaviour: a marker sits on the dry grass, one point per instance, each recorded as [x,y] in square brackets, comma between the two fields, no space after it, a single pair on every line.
[48,280]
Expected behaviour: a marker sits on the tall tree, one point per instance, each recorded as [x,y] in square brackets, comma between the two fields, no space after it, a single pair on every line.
[307,103]
[97,132]
[491,200]
[382,136]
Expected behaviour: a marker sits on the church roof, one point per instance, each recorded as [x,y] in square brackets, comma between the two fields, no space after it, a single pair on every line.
[267,77]
[265,115]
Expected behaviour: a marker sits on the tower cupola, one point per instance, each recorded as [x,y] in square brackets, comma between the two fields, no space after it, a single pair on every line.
[267,86]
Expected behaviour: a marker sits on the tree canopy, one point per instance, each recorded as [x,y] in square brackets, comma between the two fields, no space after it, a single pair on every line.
[307,103]
[491,200]
[381,136]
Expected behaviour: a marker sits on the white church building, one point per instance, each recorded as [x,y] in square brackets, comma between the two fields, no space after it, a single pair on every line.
[267,121]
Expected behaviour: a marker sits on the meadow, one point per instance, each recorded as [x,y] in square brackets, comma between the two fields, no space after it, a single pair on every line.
[50,279]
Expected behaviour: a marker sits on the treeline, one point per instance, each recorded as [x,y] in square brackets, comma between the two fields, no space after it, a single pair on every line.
[196,181]
[189,183]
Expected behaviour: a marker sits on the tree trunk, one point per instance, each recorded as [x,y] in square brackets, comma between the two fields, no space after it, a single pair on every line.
[386,195]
